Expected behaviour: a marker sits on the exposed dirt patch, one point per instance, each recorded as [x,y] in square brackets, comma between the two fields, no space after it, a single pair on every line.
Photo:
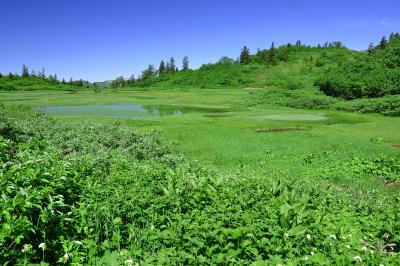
[396,145]
[279,129]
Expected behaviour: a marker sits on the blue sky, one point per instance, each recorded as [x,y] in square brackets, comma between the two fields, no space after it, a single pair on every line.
[102,39]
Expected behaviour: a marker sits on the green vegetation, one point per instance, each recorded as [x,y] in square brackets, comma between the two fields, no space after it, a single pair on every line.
[102,193]
[233,171]
[372,74]
[37,81]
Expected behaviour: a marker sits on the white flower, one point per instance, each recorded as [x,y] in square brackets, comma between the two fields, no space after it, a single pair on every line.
[26,247]
[350,235]
[357,258]
[42,246]
[66,256]
[286,235]
[308,236]
[348,246]
[306,257]
[381,265]
[333,236]
[122,252]
[371,251]
[312,253]
[129,262]
[364,248]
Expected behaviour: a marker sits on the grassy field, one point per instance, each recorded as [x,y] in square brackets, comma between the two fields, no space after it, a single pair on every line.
[258,184]
[228,140]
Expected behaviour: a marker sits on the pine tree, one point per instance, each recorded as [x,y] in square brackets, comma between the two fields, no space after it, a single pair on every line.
[171,66]
[245,56]
[25,71]
[63,81]
[42,74]
[161,69]
[1,75]
[149,72]
[185,63]
[272,54]
[383,43]
[371,48]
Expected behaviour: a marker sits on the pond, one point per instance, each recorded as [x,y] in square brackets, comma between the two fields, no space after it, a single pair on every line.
[125,110]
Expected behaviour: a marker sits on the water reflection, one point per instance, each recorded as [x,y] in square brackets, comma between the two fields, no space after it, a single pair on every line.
[125,110]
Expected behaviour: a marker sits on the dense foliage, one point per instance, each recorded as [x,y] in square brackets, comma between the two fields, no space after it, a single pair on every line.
[36,81]
[97,193]
[372,74]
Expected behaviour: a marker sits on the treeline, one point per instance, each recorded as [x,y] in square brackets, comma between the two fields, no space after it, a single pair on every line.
[226,72]
[151,73]
[374,73]
[13,81]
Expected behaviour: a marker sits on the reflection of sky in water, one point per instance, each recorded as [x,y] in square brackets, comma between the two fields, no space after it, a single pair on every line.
[126,110]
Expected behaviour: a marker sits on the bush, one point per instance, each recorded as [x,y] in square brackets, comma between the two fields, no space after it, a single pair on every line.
[370,75]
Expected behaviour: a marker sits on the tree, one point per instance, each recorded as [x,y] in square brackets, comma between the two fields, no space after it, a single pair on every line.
[383,43]
[149,72]
[25,71]
[185,63]
[272,54]
[371,48]
[42,74]
[245,55]
[63,81]
[1,75]
[161,68]
[118,82]
[171,65]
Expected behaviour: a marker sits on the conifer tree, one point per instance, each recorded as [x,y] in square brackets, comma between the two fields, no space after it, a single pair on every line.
[272,54]
[185,63]
[245,56]
[383,43]
[371,48]
[161,69]
[25,71]
[171,66]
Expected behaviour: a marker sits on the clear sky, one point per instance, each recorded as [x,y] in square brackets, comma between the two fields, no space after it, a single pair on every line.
[101,39]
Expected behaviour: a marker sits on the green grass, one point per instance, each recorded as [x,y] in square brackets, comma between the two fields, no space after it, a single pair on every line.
[324,195]
[227,140]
